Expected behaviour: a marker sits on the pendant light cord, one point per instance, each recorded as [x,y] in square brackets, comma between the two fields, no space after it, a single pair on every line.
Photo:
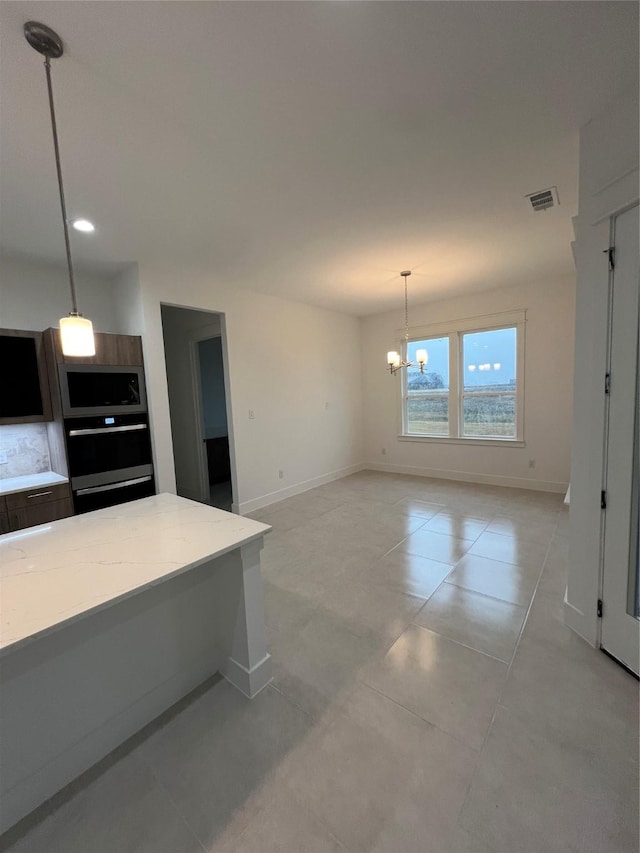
[74,303]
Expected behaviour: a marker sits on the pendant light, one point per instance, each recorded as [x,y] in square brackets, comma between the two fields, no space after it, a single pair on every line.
[76,331]
[394,361]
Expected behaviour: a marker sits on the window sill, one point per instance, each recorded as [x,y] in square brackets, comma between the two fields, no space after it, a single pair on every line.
[485,442]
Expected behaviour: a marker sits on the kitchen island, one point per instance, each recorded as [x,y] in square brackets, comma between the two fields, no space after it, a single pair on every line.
[108,619]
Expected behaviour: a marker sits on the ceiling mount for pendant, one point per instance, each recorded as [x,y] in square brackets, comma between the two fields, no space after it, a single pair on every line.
[43,39]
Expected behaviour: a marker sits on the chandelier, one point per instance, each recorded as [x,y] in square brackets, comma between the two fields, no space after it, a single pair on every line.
[394,361]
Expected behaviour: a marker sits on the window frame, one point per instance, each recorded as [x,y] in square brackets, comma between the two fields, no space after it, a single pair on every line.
[455,331]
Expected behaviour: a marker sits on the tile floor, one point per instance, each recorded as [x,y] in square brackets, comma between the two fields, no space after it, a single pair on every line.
[427,697]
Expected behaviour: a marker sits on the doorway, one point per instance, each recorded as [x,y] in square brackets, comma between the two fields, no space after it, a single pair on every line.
[208,365]
[620,590]
[199,405]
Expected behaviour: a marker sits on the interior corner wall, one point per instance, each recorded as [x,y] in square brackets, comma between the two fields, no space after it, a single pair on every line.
[296,367]
[608,184]
[547,388]
[125,289]
[35,296]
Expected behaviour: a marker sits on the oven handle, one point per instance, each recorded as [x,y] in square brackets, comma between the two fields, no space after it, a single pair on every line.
[103,430]
[95,489]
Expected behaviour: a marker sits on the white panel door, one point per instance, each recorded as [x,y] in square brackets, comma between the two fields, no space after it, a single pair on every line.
[620,625]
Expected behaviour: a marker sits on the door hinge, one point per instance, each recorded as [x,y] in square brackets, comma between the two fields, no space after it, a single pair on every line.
[611,252]
[599,608]
[607,383]
[603,500]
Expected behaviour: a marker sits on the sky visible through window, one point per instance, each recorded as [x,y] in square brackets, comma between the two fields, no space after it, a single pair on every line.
[489,358]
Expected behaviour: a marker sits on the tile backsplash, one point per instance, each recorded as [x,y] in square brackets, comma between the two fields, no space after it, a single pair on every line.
[26,448]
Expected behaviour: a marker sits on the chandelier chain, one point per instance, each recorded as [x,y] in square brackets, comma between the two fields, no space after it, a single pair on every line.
[406,311]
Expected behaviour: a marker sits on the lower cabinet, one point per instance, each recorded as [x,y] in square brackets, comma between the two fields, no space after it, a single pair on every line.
[36,506]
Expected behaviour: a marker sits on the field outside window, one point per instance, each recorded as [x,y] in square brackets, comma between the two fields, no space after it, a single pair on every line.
[469,386]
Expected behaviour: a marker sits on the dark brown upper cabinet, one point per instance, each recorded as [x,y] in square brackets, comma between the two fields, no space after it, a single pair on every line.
[112,349]
[24,386]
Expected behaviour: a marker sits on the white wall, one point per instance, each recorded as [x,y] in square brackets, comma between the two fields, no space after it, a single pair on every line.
[608,184]
[296,367]
[34,296]
[127,297]
[548,392]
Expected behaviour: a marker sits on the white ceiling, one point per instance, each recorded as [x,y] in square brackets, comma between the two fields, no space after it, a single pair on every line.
[310,149]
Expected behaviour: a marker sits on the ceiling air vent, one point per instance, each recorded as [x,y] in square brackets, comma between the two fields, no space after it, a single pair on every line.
[544,199]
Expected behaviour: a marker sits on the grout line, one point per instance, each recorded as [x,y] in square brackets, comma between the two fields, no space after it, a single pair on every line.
[505,682]
[486,594]
[178,811]
[419,717]
[275,686]
[460,643]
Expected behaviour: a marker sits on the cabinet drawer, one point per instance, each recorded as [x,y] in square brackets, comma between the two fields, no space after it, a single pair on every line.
[40,514]
[37,496]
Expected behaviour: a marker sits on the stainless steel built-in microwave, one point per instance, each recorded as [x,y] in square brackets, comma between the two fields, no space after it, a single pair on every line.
[89,389]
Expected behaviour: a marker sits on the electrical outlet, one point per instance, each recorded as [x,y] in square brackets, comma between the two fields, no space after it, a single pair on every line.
[251,414]
[3,457]
[384,451]
[532,463]
[326,405]
[280,475]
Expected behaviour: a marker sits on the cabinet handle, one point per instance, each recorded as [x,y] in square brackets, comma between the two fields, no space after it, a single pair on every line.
[38,495]
[122,484]
[104,430]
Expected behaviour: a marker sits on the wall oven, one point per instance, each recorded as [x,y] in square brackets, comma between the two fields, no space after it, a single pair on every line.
[89,389]
[110,459]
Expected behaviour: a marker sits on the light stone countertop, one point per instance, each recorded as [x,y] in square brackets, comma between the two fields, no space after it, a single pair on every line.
[30,481]
[57,573]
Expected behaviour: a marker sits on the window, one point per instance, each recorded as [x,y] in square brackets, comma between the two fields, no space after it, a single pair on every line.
[427,409]
[471,387]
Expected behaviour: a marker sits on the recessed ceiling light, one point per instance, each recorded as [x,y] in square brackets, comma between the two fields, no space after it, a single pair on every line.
[84,225]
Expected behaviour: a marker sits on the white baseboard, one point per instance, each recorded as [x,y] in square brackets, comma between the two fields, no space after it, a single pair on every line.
[273,497]
[248,681]
[246,507]
[575,619]
[470,477]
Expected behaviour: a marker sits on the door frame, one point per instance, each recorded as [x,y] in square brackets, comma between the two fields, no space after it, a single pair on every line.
[205,333]
[616,624]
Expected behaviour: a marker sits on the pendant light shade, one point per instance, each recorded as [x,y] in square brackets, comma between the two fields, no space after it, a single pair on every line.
[76,336]
[76,332]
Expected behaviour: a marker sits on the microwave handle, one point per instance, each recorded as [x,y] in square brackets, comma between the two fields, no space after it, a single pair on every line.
[122,484]
[104,430]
